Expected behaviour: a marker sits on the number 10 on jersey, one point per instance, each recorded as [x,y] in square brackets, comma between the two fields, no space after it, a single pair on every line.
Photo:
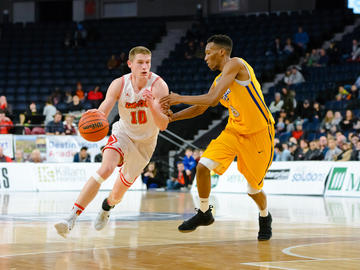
[138,117]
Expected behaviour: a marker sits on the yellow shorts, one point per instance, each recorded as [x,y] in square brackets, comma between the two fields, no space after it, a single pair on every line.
[254,153]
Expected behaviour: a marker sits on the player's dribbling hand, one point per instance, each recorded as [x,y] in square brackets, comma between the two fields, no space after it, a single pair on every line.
[94,110]
[171,99]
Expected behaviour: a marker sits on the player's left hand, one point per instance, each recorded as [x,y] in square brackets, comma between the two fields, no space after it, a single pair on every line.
[171,99]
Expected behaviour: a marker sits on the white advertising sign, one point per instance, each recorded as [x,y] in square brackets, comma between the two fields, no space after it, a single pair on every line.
[344,179]
[6,142]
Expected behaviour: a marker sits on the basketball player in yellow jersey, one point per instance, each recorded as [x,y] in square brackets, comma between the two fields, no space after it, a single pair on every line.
[249,134]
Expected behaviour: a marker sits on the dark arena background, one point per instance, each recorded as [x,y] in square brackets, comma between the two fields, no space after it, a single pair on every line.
[57,60]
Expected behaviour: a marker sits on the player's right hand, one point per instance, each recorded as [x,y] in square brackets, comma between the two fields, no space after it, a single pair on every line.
[95,110]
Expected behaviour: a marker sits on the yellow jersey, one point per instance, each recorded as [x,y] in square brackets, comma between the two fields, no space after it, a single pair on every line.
[248,112]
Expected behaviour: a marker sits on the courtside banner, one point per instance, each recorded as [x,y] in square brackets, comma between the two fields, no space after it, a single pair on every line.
[6,142]
[294,178]
[344,179]
[53,177]
[63,148]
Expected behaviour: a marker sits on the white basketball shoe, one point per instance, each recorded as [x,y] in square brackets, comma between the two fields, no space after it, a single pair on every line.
[101,220]
[64,226]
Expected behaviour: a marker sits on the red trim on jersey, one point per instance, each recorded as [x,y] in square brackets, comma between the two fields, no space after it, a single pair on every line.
[109,145]
[154,83]
[122,85]
[79,206]
[122,178]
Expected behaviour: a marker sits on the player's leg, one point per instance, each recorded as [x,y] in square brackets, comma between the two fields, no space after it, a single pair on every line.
[218,156]
[111,159]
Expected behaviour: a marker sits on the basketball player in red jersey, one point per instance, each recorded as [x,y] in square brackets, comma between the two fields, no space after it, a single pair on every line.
[133,138]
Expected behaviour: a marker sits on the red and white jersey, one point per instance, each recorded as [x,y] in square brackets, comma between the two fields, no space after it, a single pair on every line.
[135,116]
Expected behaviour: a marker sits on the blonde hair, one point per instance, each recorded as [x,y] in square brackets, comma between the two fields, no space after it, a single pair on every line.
[138,50]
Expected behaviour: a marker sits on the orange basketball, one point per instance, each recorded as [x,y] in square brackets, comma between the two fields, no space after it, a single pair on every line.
[93,126]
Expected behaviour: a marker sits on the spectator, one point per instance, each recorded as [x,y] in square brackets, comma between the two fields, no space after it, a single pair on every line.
[346,125]
[82,156]
[4,158]
[313,58]
[301,39]
[314,152]
[190,50]
[76,108]
[5,123]
[289,125]
[327,122]
[69,127]
[323,60]
[288,48]
[298,132]
[200,50]
[98,157]
[337,118]
[5,106]
[123,66]
[79,91]
[346,152]
[355,155]
[342,92]
[68,97]
[31,116]
[95,97]
[55,127]
[150,176]
[179,179]
[19,156]
[281,153]
[289,102]
[275,48]
[355,52]
[112,63]
[189,163]
[35,156]
[276,105]
[323,145]
[56,96]
[354,98]
[333,151]
[305,111]
[298,151]
[49,111]
[295,77]
[318,111]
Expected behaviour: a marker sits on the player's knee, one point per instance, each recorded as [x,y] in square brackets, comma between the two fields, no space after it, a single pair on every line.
[105,170]
[201,169]
[252,191]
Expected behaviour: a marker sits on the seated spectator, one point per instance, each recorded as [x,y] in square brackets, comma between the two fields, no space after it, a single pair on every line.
[299,152]
[95,97]
[276,105]
[314,152]
[327,123]
[323,60]
[342,92]
[355,52]
[98,157]
[280,126]
[35,156]
[189,163]
[190,50]
[354,103]
[305,111]
[69,126]
[55,127]
[31,117]
[355,155]
[49,111]
[79,91]
[288,48]
[318,111]
[76,108]
[301,39]
[68,97]
[289,101]
[4,106]
[179,179]
[333,151]
[298,132]
[347,123]
[5,123]
[200,50]
[323,145]
[82,156]
[112,63]
[19,156]
[346,152]
[313,58]
[289,125]
[337,118]
[56,96]
[295,77]
[4,158]
[281,153]
[150,176]
[275,48]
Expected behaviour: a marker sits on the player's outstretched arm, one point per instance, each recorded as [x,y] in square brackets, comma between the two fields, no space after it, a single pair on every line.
[112,95]
[188,113]
[159,90]
[230,71]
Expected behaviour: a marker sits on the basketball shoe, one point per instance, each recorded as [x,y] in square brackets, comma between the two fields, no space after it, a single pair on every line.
[265,231]
[102,219]
[64,226]
[200,219]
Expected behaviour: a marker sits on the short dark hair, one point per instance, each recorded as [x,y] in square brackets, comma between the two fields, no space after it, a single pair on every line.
[84,148]
[222,41]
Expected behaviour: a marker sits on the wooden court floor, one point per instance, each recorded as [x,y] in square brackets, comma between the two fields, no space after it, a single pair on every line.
[308,233]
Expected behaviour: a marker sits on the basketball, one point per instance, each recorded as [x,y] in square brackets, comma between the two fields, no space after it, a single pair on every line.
[93,126]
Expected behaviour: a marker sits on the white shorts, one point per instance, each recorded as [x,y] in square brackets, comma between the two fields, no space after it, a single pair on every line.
[136,154]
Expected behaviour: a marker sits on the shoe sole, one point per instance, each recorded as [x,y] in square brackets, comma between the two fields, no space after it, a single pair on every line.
[187,231]
[62,229]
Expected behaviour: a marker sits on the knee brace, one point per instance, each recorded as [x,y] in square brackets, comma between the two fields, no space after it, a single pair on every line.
[251,190]
[98,178]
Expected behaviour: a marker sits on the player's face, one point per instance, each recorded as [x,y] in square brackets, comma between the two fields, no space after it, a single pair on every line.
[140,65]
[212,56]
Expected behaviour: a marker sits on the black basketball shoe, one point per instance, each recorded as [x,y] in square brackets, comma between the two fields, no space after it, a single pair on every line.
[265,231]
[200,219]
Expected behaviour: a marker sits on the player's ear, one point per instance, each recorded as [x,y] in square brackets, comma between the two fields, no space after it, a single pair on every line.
[129,63]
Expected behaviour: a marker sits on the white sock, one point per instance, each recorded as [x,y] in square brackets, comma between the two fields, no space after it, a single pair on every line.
[204,204]
[264,213]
